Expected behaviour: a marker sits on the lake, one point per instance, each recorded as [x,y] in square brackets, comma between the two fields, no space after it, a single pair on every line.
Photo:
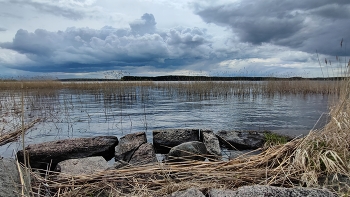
[69,113]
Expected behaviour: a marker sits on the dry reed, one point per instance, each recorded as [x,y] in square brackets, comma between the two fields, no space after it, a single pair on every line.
[11,136]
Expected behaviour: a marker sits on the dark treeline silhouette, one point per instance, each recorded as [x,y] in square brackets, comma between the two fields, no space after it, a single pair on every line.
[206,78]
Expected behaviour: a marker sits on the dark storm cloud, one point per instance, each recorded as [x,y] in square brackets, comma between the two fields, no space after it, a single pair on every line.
[53,8]
[306,25]
[87,50]
[2,29]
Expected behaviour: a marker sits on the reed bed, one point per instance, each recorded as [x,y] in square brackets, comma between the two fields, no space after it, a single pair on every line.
[198,88]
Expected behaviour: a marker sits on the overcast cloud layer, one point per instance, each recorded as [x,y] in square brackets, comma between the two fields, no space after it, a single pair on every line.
[84,38]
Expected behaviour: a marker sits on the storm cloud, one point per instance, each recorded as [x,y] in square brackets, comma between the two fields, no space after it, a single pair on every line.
[306,25]
[88,50]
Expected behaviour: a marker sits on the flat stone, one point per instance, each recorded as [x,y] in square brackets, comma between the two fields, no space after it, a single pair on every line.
[264,190]
[241,140]
[143,155]
[188,151]
[165,139]
[50,153]
[10,184]
[86,165]
[128,144]
[211,142]
[191,192]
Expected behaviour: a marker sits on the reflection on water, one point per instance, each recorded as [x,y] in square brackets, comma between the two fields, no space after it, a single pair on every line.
[70,114]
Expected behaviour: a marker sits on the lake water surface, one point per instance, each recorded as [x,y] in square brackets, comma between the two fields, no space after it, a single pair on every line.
[71,114]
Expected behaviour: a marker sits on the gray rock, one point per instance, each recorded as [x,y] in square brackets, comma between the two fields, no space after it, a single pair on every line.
[335,182]
[128,144]
[188,151]
[143,155]
[164,140]
[9,178]
[86,165]
[211,142]
[241,139]
[264,190]
[222,193]
[50,153]
[192,192]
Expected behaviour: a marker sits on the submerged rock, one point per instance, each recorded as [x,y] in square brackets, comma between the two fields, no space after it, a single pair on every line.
[211,142]
[241,139]
[128,144]
[86,165]
[164,140]
[50,153]
[188,151]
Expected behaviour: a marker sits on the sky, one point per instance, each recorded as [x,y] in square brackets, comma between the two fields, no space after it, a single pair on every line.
[110,38]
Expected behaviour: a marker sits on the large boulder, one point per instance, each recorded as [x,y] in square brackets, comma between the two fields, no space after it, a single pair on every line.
[188,151]
[191,192]
[50,153]
[241,140]
[211,142]
[88,165]
[265,190]
[143,155]
[164,140]
[10,184]
[128,144]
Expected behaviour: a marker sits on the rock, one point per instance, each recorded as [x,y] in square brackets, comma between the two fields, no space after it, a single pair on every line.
[188,151]
[335,182]
[164,140]
[222,193]
[264,190]
[211,142]
[118,164]
[86,165]
[241,140]
[10,184]
[50,153]
[143,155]
[192,192]
[128,145]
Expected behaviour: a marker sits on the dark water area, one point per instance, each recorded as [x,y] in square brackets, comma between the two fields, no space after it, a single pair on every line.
[69,114]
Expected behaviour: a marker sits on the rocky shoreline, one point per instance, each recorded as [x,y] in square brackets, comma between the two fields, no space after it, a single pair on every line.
[88,155]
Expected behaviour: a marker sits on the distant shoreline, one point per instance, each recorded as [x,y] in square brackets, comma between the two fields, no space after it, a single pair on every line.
[184,78]
[204,78]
